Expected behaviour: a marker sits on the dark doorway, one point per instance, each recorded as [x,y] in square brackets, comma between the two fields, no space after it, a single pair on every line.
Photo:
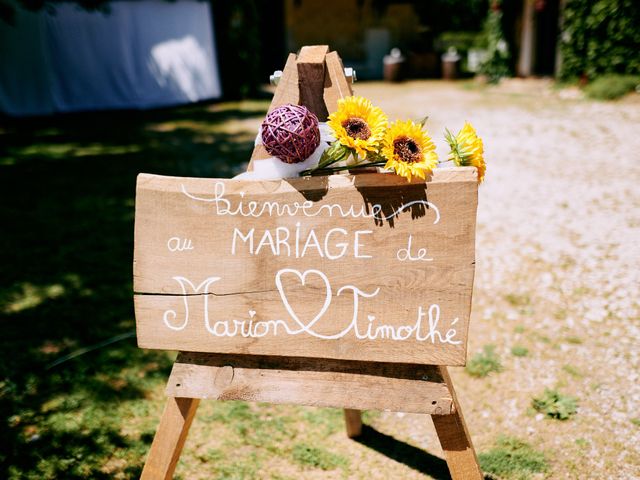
[546,25]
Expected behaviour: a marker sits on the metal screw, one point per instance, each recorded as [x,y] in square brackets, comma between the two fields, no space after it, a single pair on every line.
[275,78]
[349,72]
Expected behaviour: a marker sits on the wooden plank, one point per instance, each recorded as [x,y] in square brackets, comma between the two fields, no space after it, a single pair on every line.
[353,294]
[455,439]
[336,84]
[306,381]
[311,78]
[287,90]
[169,439]
[353,422]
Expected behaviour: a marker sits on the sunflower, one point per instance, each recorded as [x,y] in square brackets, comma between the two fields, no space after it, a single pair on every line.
[467,149]
[358,125]
[409,150]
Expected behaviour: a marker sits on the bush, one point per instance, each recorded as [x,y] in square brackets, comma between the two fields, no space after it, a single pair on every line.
[496,65]
[610,87]
[600,36]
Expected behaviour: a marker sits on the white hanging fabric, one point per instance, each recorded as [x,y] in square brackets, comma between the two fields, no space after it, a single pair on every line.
[140,54]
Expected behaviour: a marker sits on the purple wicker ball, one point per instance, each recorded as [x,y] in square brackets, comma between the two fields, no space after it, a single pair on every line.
[290,133]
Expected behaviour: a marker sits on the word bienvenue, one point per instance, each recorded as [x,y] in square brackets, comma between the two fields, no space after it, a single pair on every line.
[255,209]
[425,328]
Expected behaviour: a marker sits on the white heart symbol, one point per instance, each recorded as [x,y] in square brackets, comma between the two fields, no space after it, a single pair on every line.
[302,277]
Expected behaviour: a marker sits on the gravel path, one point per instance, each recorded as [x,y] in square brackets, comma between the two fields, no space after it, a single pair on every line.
[558,269]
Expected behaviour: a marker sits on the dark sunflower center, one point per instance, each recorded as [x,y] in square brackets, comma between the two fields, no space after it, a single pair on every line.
[407,149]
[357,128]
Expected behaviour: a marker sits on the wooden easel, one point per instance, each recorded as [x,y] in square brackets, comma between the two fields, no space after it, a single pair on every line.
[316,79]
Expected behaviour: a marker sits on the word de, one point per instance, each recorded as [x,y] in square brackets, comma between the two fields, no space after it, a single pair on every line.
[405,254]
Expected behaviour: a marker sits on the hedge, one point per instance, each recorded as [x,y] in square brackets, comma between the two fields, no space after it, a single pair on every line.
[600,37]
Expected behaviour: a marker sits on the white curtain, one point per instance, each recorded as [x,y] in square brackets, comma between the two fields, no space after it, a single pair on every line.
[141,54]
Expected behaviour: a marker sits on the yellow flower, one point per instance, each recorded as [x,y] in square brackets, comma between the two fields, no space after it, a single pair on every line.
[409,150]
[358,125]
[467,149]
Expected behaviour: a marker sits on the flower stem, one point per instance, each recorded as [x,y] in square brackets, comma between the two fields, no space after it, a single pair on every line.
[341,168]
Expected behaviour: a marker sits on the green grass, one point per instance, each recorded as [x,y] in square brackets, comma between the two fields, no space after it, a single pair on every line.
[556,405]
[519,351]
[484,363]
[513,459]
[316,457]
[518,299]
[573,371]
[67,188]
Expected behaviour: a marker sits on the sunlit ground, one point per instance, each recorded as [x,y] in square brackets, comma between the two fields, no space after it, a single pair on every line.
[556,295]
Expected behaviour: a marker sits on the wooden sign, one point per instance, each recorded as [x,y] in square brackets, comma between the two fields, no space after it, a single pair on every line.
[342,291]
[366,267]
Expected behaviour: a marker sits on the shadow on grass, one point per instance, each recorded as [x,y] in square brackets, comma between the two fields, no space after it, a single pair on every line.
[67,187]
[402,452]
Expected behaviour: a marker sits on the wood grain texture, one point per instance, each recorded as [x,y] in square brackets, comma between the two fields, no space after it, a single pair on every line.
[287,90]
[455,439]
[307,381]
[169,439]
[353,422]
[311,79]
[336,84]
[177,310]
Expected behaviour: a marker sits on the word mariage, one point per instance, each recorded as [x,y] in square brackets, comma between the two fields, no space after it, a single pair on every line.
[425,328]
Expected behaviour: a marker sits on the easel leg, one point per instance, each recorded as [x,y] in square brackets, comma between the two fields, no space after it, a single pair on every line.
[353,422]
[169,439]
[456,441]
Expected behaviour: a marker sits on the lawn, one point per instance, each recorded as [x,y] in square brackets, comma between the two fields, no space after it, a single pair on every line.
[66,208]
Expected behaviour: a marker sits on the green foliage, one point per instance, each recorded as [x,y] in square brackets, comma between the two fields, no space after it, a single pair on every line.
[555,404]
[497,63]
[462,41]
[484,363]
[519,351]
[600,36]
[612,86]
[513,459]
[311,456]
[237,27]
